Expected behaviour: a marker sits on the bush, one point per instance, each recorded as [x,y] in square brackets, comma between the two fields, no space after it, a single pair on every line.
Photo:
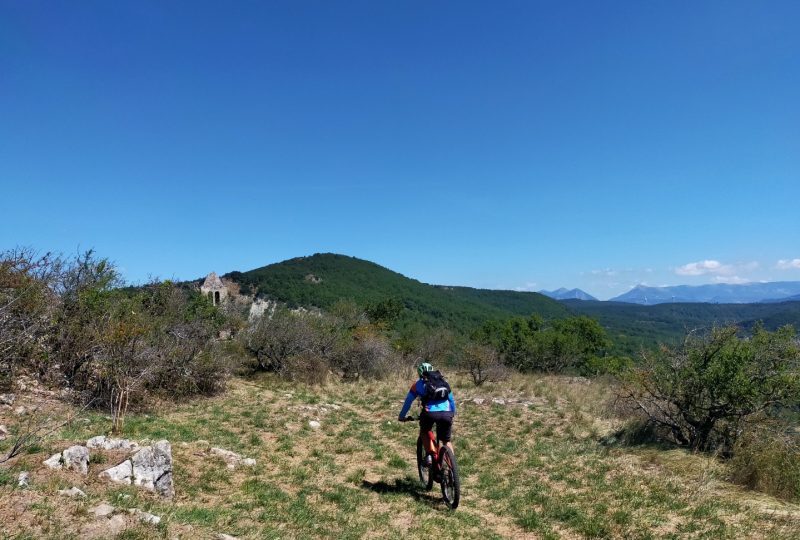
[534,345]
[768,460]
[307,368]
[703,392]
[70,322]
[27,298]
[482,362]
[343,341]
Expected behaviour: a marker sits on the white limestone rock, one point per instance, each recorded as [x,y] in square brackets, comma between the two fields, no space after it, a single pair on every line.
[313,424]
[72,492]
[102,510]
[121,474]
[3,432]
[104,443]
[145,517]
[7,399]
[232,459]
[23,478]
[54,461]
[76,458]
[152,468]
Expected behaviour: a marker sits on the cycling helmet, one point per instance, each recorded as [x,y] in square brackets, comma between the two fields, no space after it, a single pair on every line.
[424,367]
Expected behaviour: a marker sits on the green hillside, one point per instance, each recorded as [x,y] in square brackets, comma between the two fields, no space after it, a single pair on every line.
[632,326]
[322,279]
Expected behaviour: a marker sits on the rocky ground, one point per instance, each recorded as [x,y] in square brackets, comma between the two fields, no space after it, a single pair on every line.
[272,460]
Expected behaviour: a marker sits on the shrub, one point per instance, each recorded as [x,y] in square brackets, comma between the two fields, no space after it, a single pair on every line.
[482,362]
[272,339]
[535,345]
[306,367]
[768,460]
[702,392]
[26,303]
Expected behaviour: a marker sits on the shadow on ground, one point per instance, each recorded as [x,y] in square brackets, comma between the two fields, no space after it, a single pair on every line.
[405,486]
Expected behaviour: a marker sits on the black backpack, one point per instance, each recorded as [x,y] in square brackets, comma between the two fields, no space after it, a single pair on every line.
[436,387]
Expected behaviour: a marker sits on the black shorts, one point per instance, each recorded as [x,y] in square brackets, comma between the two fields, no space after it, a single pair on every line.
[443,421]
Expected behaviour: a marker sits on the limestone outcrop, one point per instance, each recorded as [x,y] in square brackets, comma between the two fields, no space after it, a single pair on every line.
[150,467]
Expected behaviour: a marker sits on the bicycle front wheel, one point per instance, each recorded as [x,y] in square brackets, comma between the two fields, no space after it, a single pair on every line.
[425,476]
[451,484]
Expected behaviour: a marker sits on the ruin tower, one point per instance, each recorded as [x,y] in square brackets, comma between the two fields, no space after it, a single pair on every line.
[214,288]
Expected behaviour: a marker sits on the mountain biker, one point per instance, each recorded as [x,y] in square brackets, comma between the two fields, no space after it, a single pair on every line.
[434,411]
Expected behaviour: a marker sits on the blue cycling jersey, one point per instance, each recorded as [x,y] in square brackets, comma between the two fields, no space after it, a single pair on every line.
[418,390]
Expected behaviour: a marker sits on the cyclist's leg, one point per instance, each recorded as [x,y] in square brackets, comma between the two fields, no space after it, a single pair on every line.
[444,429]
[425,425]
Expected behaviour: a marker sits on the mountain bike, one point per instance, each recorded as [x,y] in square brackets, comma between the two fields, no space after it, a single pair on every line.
[443,468]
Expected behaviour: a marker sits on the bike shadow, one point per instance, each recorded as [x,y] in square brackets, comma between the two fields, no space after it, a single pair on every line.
[405,486]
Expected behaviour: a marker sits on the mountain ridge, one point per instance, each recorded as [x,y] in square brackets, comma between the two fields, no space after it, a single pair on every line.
[563,293]
[714,293]
[322,279]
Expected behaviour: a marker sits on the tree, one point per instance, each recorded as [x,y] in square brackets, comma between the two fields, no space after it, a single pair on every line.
[482,362]
[27,300]
[703,391]
[531,344]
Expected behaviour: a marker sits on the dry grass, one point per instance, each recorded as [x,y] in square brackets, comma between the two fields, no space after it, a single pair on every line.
[531,468]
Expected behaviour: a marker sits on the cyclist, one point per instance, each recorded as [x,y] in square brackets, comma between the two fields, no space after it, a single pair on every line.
[434,411]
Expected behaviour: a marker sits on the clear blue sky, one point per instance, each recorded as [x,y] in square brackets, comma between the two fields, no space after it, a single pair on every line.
[491,144]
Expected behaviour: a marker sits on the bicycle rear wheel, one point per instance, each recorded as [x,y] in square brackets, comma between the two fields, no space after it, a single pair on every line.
[451,484]
[425,476]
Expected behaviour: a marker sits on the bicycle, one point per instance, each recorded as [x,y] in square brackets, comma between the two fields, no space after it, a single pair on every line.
[443,468]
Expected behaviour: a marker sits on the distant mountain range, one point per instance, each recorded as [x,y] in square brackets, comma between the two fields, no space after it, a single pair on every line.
[321,280]
[722,293]
[568,294]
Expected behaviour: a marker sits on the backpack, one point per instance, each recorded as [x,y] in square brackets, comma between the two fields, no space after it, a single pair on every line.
[436,387]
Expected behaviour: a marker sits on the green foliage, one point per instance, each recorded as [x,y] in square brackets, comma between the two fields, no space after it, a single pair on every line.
[634,327]
[531,344]
[321,280]
[702,391]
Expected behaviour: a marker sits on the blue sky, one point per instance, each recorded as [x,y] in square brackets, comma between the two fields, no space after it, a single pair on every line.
[493,144]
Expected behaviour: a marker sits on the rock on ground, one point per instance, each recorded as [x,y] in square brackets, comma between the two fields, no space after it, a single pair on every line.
[232,458]
[76,458]
[7,399]
[121,474]
[313,424]
[72,492]
[22,479]
[111,444]
[54,461]
[145,517]
[3,432]
[102,510]
[152,468]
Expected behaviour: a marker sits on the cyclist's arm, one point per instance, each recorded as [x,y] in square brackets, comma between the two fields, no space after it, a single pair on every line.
[410,397]
[452,401]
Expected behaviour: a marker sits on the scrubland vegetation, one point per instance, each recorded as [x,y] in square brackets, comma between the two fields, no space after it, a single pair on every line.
[557,435]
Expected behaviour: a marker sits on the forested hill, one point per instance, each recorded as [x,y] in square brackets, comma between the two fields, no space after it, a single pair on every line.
[322,279]
[632,326]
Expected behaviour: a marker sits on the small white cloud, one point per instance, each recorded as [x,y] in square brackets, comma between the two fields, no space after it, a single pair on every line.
[605,272]
[702,268]
[788,264]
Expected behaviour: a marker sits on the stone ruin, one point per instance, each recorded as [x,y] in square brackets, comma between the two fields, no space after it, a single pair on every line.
[214,288]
